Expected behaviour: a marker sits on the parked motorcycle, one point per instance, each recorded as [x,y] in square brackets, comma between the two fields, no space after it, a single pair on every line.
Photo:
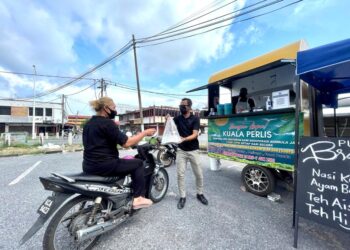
[167,154]
[93,204]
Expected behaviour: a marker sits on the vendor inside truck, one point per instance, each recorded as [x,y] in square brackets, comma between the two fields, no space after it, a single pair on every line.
[242,102]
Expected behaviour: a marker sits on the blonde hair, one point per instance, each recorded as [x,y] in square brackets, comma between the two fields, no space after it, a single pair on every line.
[100,103]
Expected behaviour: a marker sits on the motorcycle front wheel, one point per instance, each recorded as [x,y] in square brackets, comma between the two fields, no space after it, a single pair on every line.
[73,216]
[164,158]
[159,185]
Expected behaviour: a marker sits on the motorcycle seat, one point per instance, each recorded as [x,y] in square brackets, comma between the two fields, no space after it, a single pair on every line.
[90,178]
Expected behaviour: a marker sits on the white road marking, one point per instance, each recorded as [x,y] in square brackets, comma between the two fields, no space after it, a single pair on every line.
[15,181]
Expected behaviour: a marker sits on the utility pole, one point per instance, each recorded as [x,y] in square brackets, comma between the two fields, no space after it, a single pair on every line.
[102,87]
[33,122]
[138,82]
[63,114]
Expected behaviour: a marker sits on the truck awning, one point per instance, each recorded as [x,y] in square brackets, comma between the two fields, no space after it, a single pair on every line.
[227,82]
[276,58]
[288,52]
[326,68]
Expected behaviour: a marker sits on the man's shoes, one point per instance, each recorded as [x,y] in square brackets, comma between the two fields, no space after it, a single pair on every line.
[202,199]
[181,203]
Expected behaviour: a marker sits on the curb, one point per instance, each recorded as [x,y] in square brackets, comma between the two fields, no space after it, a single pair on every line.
[2,156]
[43,152]
[53,152]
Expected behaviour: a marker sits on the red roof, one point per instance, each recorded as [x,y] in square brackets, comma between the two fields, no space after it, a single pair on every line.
[79,117]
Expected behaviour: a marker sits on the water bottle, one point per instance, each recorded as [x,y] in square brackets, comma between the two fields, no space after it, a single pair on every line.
[268,103]
[212,112]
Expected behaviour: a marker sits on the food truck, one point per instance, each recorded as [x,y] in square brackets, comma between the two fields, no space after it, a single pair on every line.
[262,137]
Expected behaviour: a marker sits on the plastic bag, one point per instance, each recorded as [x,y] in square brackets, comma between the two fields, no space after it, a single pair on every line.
[171,135]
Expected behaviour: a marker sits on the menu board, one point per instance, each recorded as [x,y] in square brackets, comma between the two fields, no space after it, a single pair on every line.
[323,181]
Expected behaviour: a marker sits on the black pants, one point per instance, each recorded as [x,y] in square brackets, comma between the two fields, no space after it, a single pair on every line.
[122,167]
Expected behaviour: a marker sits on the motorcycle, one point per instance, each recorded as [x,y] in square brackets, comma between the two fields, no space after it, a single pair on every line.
[92,205]
[167,154]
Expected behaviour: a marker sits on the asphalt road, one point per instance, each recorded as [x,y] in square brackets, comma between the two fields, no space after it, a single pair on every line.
[233,219]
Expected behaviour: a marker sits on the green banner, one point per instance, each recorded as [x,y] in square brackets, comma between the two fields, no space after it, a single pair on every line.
[265,140]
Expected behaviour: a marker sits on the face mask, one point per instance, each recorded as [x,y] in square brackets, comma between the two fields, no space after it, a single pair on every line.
[183,109]
[112,113]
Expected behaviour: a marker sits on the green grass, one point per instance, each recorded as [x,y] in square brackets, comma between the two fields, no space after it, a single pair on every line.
[20,145]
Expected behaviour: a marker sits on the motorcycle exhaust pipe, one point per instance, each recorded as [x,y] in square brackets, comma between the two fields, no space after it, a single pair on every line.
[93,231]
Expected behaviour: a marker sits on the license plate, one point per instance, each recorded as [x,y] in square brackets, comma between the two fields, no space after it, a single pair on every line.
[44,209]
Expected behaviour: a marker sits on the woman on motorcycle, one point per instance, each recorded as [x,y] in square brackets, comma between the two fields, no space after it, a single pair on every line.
[101,156]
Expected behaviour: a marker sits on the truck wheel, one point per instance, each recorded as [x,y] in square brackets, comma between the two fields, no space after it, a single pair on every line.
[258,180]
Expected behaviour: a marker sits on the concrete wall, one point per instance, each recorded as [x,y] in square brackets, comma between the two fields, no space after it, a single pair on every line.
[20,112]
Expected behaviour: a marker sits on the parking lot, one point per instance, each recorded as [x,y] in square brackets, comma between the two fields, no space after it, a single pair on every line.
[233,219]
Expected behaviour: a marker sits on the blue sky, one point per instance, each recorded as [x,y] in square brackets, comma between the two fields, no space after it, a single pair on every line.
[67,38]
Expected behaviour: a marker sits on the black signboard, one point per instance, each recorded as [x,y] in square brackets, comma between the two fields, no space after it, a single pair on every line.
[323,181]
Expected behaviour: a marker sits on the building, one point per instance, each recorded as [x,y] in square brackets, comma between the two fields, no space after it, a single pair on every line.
[17,116]
[153,117]
[77,120]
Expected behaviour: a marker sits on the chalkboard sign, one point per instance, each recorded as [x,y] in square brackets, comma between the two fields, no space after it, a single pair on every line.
[323,181]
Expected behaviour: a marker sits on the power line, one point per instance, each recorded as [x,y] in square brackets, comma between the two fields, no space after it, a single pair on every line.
[55,76]
[95,91]
[217,22]
[215,18]
[218,27]
[68,106]
[77,100]
[213,4]
[44,75]
[86,73]
[82,89]
[120,52]
[201,27]
[186,21]
[16,99]
[128,46]
[54,99]
[149,91]
[83,109]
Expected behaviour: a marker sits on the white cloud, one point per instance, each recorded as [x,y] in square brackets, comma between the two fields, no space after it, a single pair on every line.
[185,54]
[251,35]
[297,16]
[31,35]
[58,37]
[183,85]
[14,83]
[48,32]
[310,6]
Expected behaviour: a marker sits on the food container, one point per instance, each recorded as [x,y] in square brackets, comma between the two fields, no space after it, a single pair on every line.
[228,108]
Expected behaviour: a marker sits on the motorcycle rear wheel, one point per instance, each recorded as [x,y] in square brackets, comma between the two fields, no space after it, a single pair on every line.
[164,158]
[159,185]
[72,216]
